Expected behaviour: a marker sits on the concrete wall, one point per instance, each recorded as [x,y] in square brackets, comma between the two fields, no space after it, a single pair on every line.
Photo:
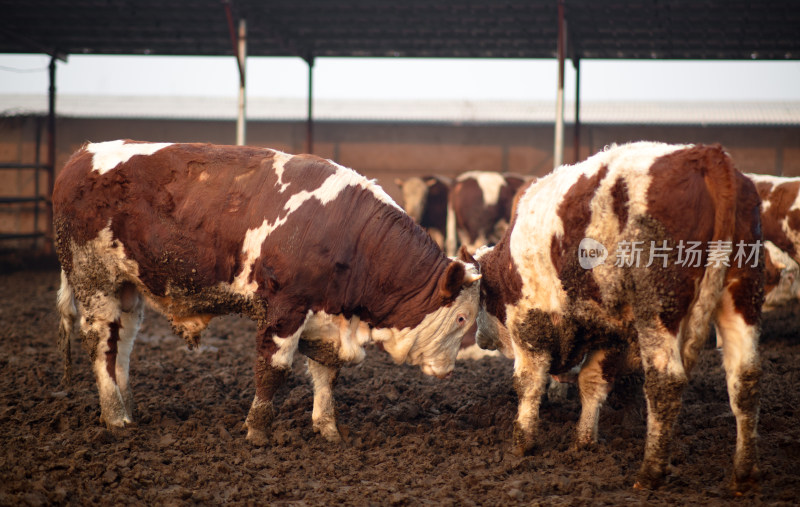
[387,151]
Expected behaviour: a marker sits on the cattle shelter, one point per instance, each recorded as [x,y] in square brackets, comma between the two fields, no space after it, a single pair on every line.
[568,30]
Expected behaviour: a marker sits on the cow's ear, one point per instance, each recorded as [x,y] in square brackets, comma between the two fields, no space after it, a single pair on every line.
[464,255]
[451,280]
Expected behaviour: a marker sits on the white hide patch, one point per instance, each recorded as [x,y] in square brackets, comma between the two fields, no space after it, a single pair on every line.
[110,154]
[325,193]
[490,183]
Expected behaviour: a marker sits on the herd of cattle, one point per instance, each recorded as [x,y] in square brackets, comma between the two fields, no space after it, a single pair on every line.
[618,264]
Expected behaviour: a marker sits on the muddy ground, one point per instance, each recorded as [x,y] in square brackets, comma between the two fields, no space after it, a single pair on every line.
[412,440]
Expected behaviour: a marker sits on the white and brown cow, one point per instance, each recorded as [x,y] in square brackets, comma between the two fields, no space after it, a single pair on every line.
[780,221]
[480,208]
[320,257]
[425,200]
[566,284]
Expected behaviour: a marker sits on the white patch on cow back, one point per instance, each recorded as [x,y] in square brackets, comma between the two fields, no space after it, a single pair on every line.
[110,154]
[278,163]
[489,182]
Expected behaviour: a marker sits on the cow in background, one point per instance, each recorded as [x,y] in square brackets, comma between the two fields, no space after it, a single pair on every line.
[782,281]
[565,286]
[480,208]
[780,221]
[321,258]
[425,200]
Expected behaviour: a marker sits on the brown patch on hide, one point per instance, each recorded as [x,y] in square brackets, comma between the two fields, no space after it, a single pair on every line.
[748,279]
[501,283]
[111,353]
[700,179]
[619,195]
[472,214]
[434,215]
[575,213]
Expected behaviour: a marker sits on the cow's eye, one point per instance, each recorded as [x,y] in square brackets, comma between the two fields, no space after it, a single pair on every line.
[461,320]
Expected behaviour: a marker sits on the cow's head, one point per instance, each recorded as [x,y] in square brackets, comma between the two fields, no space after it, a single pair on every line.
[492,332]
[433,344]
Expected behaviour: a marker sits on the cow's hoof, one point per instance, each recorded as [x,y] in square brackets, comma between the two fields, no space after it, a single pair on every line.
[256,437]
[329,432]
[522,443]
[745,481]
[647,481]
[116,421]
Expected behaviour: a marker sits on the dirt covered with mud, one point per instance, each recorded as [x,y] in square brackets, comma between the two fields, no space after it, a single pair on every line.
[411,439]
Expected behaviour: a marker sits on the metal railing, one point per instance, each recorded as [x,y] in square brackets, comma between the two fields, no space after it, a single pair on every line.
[41,203]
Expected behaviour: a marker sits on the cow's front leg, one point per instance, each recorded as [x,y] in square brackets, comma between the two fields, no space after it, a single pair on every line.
[530,382]
[273,363]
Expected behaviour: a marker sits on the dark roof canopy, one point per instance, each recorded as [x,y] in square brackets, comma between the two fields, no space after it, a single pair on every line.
[668,29]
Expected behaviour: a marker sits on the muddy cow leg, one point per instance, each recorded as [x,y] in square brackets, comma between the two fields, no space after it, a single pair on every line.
[742,372]
[594,391]
[132,312]
[530,382]
[323,366]
[101,325]
[323,416]
[273,363]
[664,382]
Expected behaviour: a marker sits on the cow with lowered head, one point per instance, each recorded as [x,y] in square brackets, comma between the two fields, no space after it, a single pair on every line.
[320,257]
[597,269]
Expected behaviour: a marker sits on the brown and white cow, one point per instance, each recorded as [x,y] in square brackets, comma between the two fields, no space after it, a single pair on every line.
[320,257]
[425,200]
[480,208]
[566,284]
[780,221]
[782,278]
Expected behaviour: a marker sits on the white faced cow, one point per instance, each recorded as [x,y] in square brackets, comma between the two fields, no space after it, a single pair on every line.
[625,258]
[320,257]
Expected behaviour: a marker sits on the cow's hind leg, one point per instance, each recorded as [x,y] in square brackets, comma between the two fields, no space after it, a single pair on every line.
[664,383]
[323,416]
[273,363]
[109,322]
[594,390]
[132,311]
[742,371]
[530,382]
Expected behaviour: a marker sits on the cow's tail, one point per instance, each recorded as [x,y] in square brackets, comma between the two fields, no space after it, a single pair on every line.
[65,303]
[720,180]
[450,238]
